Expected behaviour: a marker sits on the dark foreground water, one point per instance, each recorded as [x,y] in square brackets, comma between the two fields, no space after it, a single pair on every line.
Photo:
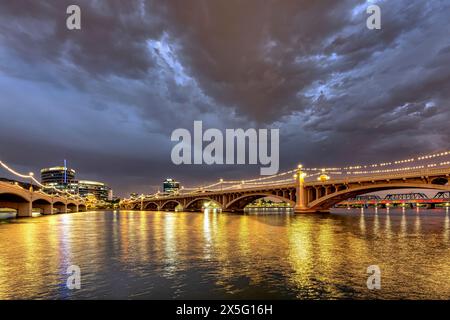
[156,255]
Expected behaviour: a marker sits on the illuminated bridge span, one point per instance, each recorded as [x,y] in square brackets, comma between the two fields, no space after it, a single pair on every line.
[24,200]
[417,198]
[303,192]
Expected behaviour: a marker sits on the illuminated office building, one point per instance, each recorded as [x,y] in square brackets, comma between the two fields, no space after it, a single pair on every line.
[61,178]
[171,186]
[98,189]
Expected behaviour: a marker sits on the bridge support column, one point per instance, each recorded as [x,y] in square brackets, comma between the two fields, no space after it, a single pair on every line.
[62,208]
[300,205]
[25,209]
[47,209]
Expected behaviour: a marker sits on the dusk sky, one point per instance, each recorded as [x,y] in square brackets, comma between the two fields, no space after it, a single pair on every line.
[107,97]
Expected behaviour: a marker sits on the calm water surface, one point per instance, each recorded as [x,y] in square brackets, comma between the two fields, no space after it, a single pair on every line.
[158,255]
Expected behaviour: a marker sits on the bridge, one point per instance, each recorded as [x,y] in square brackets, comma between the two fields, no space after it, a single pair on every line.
[441,198]
[26,198]
[302,192]
[24,202]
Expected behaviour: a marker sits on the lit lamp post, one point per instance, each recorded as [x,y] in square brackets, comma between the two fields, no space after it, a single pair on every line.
[323,177]
[31,174]
[301,192]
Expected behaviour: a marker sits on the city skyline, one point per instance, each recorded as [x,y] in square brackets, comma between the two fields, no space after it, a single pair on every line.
[109,106]
[220,157]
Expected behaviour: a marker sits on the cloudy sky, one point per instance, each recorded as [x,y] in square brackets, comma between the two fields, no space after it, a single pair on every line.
[108,96]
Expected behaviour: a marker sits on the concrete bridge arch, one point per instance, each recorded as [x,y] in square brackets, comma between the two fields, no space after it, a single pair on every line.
[16,201]
[241,202]
[193,204]
[44,205]
[72,207]
[152,206]
[170,205]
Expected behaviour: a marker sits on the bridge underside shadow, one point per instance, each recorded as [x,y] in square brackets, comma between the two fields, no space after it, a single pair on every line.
[200,204]
[170,205]
[151,206]
[43,206]
[239,204]
[59,207]
[19,204]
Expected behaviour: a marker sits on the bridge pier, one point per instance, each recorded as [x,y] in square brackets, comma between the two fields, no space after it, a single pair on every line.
[62,208]
[46,208]
[301,201]
[24,209]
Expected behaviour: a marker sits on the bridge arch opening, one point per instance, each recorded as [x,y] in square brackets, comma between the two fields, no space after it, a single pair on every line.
[20,205]
[240,203]
[171,205]
[200,204]
[151,206]
[59,207]
[135,206]
[42,206]
[72,207]
[82,207]
[12,197]
[440,181]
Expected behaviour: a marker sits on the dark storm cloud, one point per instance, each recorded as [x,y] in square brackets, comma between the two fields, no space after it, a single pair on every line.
[107,97]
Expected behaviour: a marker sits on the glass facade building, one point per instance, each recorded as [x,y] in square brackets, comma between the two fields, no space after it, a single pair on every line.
[98,189]
[171,186]
[61,178]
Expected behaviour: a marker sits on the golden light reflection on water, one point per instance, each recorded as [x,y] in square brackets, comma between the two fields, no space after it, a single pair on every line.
[362,222]
[388,227]
[214,255]
[447,226]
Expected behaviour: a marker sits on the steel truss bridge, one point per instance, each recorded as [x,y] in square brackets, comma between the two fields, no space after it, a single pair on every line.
[413,198]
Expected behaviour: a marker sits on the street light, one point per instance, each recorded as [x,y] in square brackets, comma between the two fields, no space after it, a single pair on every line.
[31,174]
[323,177]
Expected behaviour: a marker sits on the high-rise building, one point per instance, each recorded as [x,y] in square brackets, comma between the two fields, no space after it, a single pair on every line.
[98,189]
[170,186]
[61,178]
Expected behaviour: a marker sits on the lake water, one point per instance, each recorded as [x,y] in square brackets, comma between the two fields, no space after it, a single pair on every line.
[164,255]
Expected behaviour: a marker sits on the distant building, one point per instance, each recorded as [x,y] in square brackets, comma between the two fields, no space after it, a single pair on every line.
[61,178]
[171,186]
[98,189]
